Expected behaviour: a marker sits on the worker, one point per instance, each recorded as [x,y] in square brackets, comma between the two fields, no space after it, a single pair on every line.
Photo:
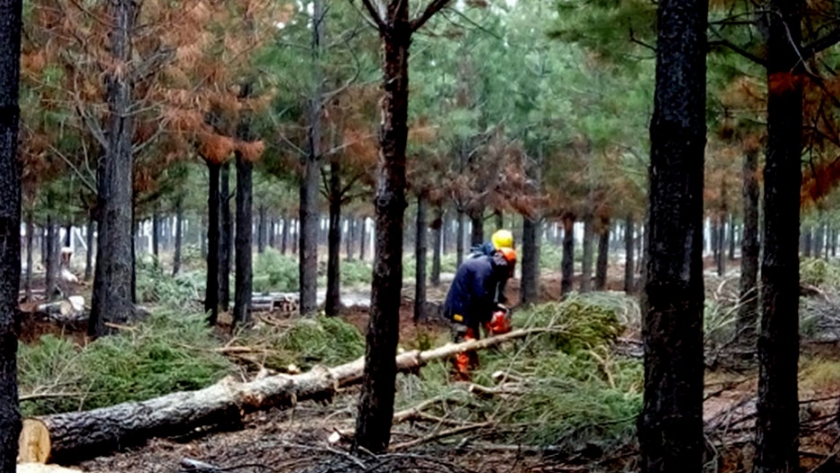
[500,239]
[473,302]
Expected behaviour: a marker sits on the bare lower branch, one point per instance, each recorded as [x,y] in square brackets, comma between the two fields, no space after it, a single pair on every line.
[428,13]
[375,16]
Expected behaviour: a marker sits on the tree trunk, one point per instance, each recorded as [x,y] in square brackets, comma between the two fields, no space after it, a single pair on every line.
[603,255]
[135,230]
[52,268]
[333,298]
[179,234]
[30,237]
[420,251]
[629,258]
[244,271]
[437,235]
[376,404]
[568,263]
[500,219]
[732,237]
[261,231]
[113,288]
[444,232]
[748,300]
[829,239]
[350,238]
[777,422]
[363,238]
[91,225]
[721,248]
[477,220]
[156,236]
[819,236]
[68,235]
[586,276]
[272,233]
[808,241]
[284,238]
[671,422]
[530,286]
[211,299]
[225,240]
[10,212]
[459,240]
[202,236]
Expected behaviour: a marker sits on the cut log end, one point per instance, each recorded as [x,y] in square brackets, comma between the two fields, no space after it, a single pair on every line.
[34,442]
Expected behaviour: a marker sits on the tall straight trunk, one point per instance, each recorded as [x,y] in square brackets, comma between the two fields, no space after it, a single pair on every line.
[671,422]
[721,246]
[311,180]
[333,298]
[459,240]
[202,236]
[629,257]
[499,218]
[156,231]
[444,232]
[52,258]
[376,404]
[113,288]
[437,235]
[30,237]
[363,238]
[603,255]
[135,231]
[747,323]
[349,237]
[225,239]
[568,262]
[91,226]
[272,233]
[819,236]
[808,241]
[477,235]
[68,235]
[42,232]
[420,250]
[586,276]
[179,234]
[284,238]
[10,214]
[530,287]
[829,240]
[261,230]
[244,272]
[211,298]
[777,422]
[732,237]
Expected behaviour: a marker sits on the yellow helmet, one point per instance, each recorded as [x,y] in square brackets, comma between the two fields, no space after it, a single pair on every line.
[502,239]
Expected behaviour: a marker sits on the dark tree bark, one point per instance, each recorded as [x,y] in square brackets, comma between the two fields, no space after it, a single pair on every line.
[311,180]
[10,213]
[603,255]
[225,239]
[459,240]
[91,226]
[272,233]
[721,248]
[42,232]
[477,235]
[363,240]
[808,241]
[179,234]
[261,231]
[202,236]
[748,308]
[211,298]
[376,405]
[568,263]
[244,271]
[333,298]
[156,236]
[671,423]
[349,238]
[732,237]
[829,240]
[586,276]
[284,238]
[444,232]
[777,422]
[52,270]
[135,230]
[420,250]
[629,257]
[113,279]
[819,236]
[530,287]
[68,235]
[437,234]
[500,219]
[30,237]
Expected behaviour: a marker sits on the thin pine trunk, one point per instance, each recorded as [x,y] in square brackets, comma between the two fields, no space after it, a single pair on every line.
[459,240]
[477,221]
[747,323]
[261,230]
[420,251]
[629,258]
[568,263]
[52,258]
[91,241]
[211,299]
[225,239]
[244,209]
[530,289]
[602,266]
[30,230]
[333,297]
[586,276]
[179,234]
[437,235]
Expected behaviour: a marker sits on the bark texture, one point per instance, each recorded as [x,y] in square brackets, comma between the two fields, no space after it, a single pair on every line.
[211,298]
[10,214]
[333,298]
[747,325]
[244,264]
[777,437]
[179,234]
[530,288]
[602,265]
[568,262]
[586,266]
[91,231]
[671,422]
[225,239]
[437,234]
[420,250]
[629,257]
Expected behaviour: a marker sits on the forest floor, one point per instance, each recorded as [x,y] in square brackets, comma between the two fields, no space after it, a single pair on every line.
[298,440]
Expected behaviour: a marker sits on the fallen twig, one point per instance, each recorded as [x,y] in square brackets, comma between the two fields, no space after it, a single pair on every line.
[440,435]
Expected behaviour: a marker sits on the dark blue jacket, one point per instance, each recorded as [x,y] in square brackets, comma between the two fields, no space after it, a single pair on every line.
[473,291]
[484,249]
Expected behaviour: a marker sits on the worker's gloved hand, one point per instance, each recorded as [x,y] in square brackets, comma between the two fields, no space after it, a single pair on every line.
[499,322]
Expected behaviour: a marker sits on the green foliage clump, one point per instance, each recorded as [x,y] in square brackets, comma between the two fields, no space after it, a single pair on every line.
[165,353]
[355,273]
[306,342]
[818,272]
[571,389]
[275,272]
[156,285]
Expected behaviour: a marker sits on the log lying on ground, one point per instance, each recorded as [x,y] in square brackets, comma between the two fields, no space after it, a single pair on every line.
[80,435]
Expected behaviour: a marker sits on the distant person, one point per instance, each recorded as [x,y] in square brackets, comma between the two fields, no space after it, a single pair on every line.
[473,302]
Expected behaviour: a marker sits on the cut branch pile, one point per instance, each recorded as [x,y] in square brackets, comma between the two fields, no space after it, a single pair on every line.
[78,435]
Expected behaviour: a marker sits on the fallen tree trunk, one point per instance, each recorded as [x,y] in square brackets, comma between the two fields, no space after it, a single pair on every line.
[80,435]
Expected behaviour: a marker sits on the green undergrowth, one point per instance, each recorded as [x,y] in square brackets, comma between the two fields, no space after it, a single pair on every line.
[819,272]
[275,272]
[156,285]
[568,388]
